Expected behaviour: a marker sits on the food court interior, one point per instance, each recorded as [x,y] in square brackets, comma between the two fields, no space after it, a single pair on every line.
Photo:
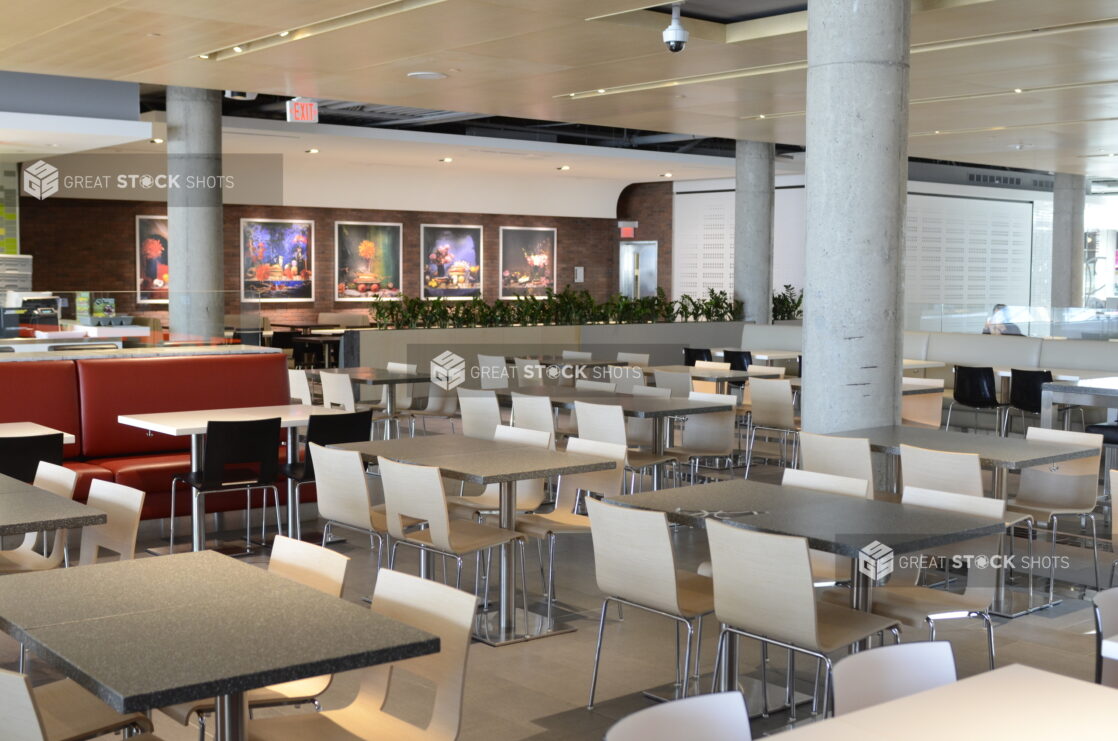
[415,368]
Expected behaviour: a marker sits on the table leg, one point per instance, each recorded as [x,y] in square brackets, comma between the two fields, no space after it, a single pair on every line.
[657,447]
[861,596]
[198,506]
[508,561]
[390,410]
[728,678]
[231,717]
[293,526]
[1046,407]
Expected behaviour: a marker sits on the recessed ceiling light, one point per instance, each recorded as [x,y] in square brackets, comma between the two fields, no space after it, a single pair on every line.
[283,34]
[1018,90]
[761,115]
[203,56]
[601,90]
[156,140]
[238,49]
[665,174]
[54,145]
[936,131]
[446,160]
[312,150]
[154,35]
[563,167]
[427,75]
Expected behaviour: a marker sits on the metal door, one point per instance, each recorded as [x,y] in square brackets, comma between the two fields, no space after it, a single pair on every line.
[638,269]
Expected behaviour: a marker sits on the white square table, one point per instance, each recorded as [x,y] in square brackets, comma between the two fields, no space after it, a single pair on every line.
[488,462]
[151,632]
[30,429]
[193,423]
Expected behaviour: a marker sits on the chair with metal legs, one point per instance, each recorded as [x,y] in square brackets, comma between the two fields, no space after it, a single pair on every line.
[718,716]
[60,481]
[772,410]
[887,673]
[634,565]
[326,429]
[975,388]
[1105,604]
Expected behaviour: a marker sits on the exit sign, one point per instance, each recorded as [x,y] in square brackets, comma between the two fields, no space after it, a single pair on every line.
[302,110]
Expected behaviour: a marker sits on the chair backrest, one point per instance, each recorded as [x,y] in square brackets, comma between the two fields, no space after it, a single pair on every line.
[678,383]
[738,359]
[20,456]
[713,433]
[891,672]
[941,471]
[342,486]
[827,482]
[404,390]
[523,435]
[763,583]
[57,480]
[626,377]
[577,355]
[123,505]
[717,717]
[708,387]
[637,430]
[415,491]
[1070,484]
[442,611]
[529,492]
[533,412]
[655,391]
[711,365]
[529,372]
[331,429]
[1106,626]
[633,557]
[231,445]
[300,386]
[634,358]
[607,483]
[493,371]
[309,564]
[771,403]
[975,386]
[480,414]
[1025,387]
[588,385]
[337,391]
[838,456]
[439,401]
[22,721]
[693,354]
[602,422]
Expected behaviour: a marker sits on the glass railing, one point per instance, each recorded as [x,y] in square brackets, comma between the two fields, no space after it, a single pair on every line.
[1032,321]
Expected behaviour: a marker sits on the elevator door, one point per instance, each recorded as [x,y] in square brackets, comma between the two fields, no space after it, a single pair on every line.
[638,269]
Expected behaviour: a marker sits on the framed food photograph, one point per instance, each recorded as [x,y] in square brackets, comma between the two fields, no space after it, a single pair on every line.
[451,261]
[527,260]
[367,260]
[152,274]
[276,260]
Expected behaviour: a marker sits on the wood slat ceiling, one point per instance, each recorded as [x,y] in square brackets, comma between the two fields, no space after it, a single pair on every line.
[521,58]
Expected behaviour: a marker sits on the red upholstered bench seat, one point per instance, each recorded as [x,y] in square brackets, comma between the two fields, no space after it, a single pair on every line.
[87,472]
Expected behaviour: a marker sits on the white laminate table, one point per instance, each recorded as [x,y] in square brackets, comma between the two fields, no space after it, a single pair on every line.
[1014,702]
[194,422]
[30,429]
[914,364]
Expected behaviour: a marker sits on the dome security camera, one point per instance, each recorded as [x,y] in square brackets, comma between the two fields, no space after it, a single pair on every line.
[675,35]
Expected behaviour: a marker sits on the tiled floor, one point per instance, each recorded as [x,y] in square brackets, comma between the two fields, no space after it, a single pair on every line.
[538,689]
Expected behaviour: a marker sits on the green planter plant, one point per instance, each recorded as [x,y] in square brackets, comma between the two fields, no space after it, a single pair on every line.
[788,304]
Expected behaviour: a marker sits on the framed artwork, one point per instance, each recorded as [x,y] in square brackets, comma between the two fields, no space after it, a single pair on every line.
[367,260]
[152,273]
[527,261]
[276,260]
[451,261]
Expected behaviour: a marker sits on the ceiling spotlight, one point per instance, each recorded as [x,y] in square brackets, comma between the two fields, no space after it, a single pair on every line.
[203,56]
[1018,90]
[312,150]
[427,75]
[446,160]
[156,140]
[761,116]
[665,174]
[936,131]
[601,90]
[563,167]
[238,49]
[284,34]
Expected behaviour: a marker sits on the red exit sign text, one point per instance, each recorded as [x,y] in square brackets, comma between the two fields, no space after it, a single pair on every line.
[302,110]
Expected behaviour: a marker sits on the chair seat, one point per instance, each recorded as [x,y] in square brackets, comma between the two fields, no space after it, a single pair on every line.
[379,519]
[639,459]
[288,693]
[234,479]
[541,525]
[840,626]
[335,725]
[696,593]
[911,605]
[467,507]
[18,561]
[686,454]
[69,713]
[467,536]
[297,472]
[826,567]
[1109,432]
[1038,510]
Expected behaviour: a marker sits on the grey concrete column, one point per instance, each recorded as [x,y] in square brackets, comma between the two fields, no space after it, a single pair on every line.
[196,262]
[857,143]
[1069,200]
[753,229]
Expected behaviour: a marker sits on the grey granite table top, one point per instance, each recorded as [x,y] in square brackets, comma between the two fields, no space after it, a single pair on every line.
[1001,452]
[26,509]
[480,461]
[907,388]
[375,376]
[714,374]
[632,406]
[1107,386]
[830,522]
[152,632]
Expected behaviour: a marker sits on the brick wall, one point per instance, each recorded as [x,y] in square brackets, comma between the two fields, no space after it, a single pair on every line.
[85,244]
[650,204]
